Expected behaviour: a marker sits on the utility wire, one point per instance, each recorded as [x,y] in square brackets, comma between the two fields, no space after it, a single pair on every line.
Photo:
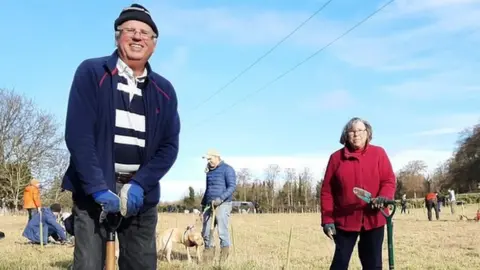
[300,63]
[263,56]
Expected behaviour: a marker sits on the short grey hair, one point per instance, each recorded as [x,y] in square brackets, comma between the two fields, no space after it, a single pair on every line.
[349,125]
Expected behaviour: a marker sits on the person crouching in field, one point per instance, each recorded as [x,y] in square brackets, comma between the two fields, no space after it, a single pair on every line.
[432,203]
[346,217]
[50,226]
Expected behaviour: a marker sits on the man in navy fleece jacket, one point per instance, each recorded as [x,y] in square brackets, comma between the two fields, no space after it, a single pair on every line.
[122,131]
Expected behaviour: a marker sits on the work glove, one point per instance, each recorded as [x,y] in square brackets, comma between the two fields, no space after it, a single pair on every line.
[217,202]
[329,230]
[378,202]
[131,199]
[109,201]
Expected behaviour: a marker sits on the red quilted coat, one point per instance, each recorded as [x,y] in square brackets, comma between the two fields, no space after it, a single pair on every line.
[369,169]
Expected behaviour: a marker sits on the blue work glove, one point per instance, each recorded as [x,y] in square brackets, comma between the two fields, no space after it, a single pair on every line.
[329,230]
[378,202]
[109,201]
[131,199]
[217,202]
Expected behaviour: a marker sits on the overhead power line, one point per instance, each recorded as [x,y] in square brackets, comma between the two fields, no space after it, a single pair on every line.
[263,56]
[300,63]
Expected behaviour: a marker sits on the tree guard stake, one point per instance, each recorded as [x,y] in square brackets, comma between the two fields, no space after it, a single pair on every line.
[367,197]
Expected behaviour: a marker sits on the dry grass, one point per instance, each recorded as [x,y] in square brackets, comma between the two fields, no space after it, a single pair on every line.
[261,243]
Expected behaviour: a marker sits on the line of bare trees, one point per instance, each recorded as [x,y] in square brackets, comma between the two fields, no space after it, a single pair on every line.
[280,190]
[30,146]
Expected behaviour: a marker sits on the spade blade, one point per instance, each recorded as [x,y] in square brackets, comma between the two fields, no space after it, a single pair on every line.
[363,194]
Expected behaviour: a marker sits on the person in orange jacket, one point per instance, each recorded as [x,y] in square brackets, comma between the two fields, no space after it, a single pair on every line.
[431,202]
[31,198]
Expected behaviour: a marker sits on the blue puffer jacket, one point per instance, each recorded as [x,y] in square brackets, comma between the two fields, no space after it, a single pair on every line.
[221,183]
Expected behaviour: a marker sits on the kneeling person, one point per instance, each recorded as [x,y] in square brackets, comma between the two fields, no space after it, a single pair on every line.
[50,226]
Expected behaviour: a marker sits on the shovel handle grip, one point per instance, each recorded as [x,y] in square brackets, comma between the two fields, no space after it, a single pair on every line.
[391,203]
[110,256]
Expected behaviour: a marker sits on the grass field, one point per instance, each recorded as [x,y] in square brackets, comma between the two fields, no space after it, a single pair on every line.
[261,243]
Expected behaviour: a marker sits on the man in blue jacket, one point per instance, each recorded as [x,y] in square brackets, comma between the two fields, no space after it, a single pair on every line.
[220,184]
[122,131]
[50,226]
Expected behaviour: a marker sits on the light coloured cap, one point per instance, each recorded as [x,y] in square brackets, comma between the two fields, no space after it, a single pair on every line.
[34,182]
[211,153]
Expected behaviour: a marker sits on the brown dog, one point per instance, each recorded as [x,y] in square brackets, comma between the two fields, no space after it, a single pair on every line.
[188,237]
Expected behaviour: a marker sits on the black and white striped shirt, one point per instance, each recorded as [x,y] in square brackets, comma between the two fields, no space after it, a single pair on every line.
[129,120]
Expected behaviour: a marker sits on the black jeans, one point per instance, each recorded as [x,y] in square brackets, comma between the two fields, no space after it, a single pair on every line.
[136,237]
[404,207]
[369,248]
[432,204]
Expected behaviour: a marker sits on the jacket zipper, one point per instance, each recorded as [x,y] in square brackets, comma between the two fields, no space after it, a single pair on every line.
[113,116]
[148,119]
[361,186]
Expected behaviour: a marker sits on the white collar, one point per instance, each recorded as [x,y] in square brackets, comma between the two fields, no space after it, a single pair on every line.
[125,69]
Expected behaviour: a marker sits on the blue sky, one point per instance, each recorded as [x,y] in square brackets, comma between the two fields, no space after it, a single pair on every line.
[410,71]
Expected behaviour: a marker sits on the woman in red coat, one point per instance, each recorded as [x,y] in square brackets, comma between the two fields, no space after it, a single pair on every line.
[345,217]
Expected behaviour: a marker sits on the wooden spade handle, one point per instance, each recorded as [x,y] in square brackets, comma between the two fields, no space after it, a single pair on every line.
[110,256]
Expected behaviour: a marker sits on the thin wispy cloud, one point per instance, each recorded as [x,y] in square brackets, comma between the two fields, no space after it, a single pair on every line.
[439,131]
[408,30]
[419,27]
[414,7]
[439,85]
[445,124]
[242,26]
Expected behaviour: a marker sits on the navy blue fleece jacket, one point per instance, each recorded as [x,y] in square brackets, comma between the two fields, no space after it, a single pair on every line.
[90,127]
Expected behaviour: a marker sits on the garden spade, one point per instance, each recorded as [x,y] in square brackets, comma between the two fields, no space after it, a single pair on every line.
[367,197]
[41,227]
[111,222]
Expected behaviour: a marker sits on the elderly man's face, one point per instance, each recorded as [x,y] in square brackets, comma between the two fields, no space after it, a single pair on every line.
[136,40]
[357,135]
[213,161]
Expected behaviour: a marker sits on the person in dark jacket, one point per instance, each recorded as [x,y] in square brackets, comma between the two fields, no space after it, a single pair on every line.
[403,203]
[50,226]
[221,182]
[345,217]
[122,131]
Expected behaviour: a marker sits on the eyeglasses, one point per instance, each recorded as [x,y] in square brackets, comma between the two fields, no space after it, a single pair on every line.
[352,132]
[145,35]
